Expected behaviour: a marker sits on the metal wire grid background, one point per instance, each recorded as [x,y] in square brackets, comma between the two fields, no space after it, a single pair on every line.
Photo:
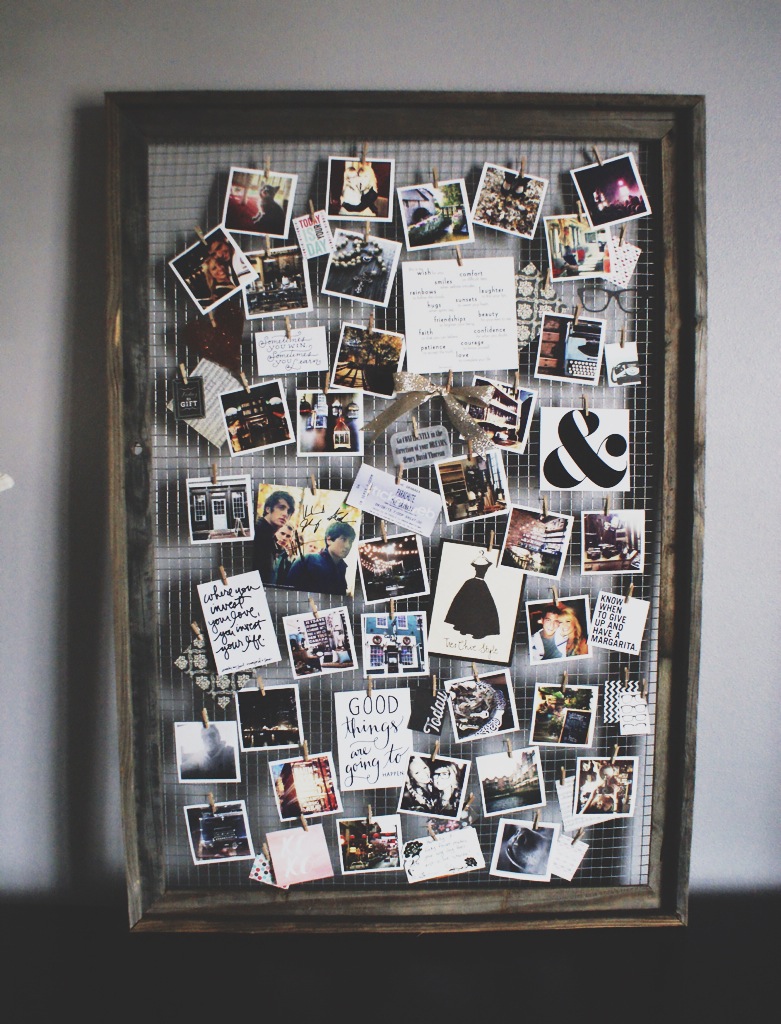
[186,188]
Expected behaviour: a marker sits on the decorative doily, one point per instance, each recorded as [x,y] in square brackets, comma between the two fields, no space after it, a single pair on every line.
[195,662]
[532,300]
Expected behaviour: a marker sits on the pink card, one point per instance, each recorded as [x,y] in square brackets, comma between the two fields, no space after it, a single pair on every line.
[299,855]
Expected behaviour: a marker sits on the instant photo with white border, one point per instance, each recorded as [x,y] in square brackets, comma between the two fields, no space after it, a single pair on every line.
[482,706]
[523,852]
[266,179]
[420,796]
[430,207]
[240,397]
[494,465]
[616,173]
[358,189]
[524,560]
[241,271]
[317,657]
[284,305]
[207,753]
[269,697]
[523,785]
[328,775]
[216,508]
[234,810]
[371,581]
[517,178]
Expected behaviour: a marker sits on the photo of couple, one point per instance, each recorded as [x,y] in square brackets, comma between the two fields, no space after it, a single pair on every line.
[558,630]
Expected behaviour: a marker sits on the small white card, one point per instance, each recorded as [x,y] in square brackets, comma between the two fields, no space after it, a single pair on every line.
[611,698]
[622,364]
[567,857]
[431,444]
[584,450]
[238,622]
[305,350]
[618,623]
[373,741]
[460,317]
[314,235]
[404,503]
[633,715]
[451,853]
[623,260]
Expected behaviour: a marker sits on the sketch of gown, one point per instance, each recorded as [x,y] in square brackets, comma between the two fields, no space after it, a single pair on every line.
[473,611]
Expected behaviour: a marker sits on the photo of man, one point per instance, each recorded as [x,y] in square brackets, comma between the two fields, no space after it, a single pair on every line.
[270,553]
[325,572]
[547,642]
[207,753]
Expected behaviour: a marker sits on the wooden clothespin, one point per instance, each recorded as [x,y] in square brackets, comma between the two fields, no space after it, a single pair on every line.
[469,450]
[584,401]
[509,746]
[214,474]
[313,483]
[577,836]
[622,235]
[313,606]
[287,327]
[536,822]
[622,338]
[564,678]
[459,257]
[517,383]
[544,507]
[304,825]
[200,234]
[415,427]
[196,629]
[366,231]
[644,688]
[616,748]
[364,151]
[399,472]
[597,155]
[431,832]
[436,751]
[491,536]
[244,381]
[212,804]
[305,748]
[392,609]
[469,801]
[576,317]
[434,177]
[523,166]
[563,775]
[326,382]
[369,685]
[606,506]
[267,167]
[580,210]
[547,281]
[368,814]
[312,211]
[625,677]
[261,686]
[629,592]
[268,243]
[183,372]
[555,593]
[370,325]
[384,531]
[223,575]
[205,717]
[433,685]
[266,852]
[475,673]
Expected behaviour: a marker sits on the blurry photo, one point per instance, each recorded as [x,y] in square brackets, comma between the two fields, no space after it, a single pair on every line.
[367,359]
[606,786]
[269,718]
[370,845]
[256,419]
[393,567]
[219,833]
[564,715]
[524,852]
[361,267]
[434,786]
[220,512]
[320,644]
[481,707]
[281,283]
[558,631]
[536,543]
[330,424]
[508,415]
[570,351]
[394,645]
[259,203]
[435,215]
[360,189]
[207,753]
[305,787]
[575,248]
[511,780]
[473,488]
[612,191]
[613,541]
[213,269]
[508,201]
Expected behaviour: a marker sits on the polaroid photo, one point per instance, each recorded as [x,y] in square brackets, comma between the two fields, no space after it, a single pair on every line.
[523,851]
[367,360]
[536,542]
[613,541]
[482,706]
[218,832]
[281,285]
[435,215]
[330,423]
[259,202]
[314,234]
[370,844]
[305,786]
[258,419]
[394,645]
[320,644]
[511,780]
[361,267]
[508,200]
[475,606]
[269,719]
[189,398]
[220,511]
[373,741]
[301,350]
[299,855]
[473,488]
[449,853]
[207,753]
[434,786]
[618,622]
[360,189]
[565,465]
[576,250]
[305,539]
[558,631]
[564,715]
[570,351]
[213,269]
[392,567]
[508,416]
[622,364]
[606,786]
[612,191]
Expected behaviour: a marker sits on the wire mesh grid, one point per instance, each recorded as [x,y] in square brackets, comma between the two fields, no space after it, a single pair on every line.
[186,188]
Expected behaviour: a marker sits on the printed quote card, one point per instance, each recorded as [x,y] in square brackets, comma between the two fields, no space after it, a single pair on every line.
[431,445]
[373,739]
[238,622]
[460,317]
[404,503]
[618,623]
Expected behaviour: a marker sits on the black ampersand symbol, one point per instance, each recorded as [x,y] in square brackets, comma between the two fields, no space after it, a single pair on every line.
[585,457]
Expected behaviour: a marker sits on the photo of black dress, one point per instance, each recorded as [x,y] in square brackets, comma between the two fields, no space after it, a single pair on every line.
[473,611]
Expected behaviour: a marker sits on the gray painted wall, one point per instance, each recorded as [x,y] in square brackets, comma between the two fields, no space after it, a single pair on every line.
[58,738]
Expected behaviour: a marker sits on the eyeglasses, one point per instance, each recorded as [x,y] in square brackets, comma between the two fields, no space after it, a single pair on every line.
[597,297]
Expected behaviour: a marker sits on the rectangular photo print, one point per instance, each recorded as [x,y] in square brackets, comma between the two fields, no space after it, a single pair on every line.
[511,780]
[576,250]
[612,191]
[320,644]
[509,200]
[280,285]
[606,786]
[330,423]
[207,753]
[361,267]
[476,604]
[523,851]
[472,487]
[360,189]
[613,541]
[392,567]
[370,844]
[213,269]
[394,645]
[482,705]
[435,786]
[220,511]
[558,630]
[305,540]
[257,419]
[269,719]
[367,359]
[259,203]
[508,416]
[569,351]
[622,364]
[536,542]
[564,715]
[218,832]
[435,214]
[305,786]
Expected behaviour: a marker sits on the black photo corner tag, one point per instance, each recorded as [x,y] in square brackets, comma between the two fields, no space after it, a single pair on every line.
[189,399]
[427,710]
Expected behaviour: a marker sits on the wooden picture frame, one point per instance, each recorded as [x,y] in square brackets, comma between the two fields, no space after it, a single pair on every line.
[671,131]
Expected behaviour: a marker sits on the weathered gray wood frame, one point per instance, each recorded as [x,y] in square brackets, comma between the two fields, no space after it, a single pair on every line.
[674,126]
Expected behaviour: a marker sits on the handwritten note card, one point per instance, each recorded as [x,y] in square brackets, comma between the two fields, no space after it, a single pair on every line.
[403,503]
[306,349]
[431,444]
[238,622]
[374,742]
[460,317]
[451,853]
